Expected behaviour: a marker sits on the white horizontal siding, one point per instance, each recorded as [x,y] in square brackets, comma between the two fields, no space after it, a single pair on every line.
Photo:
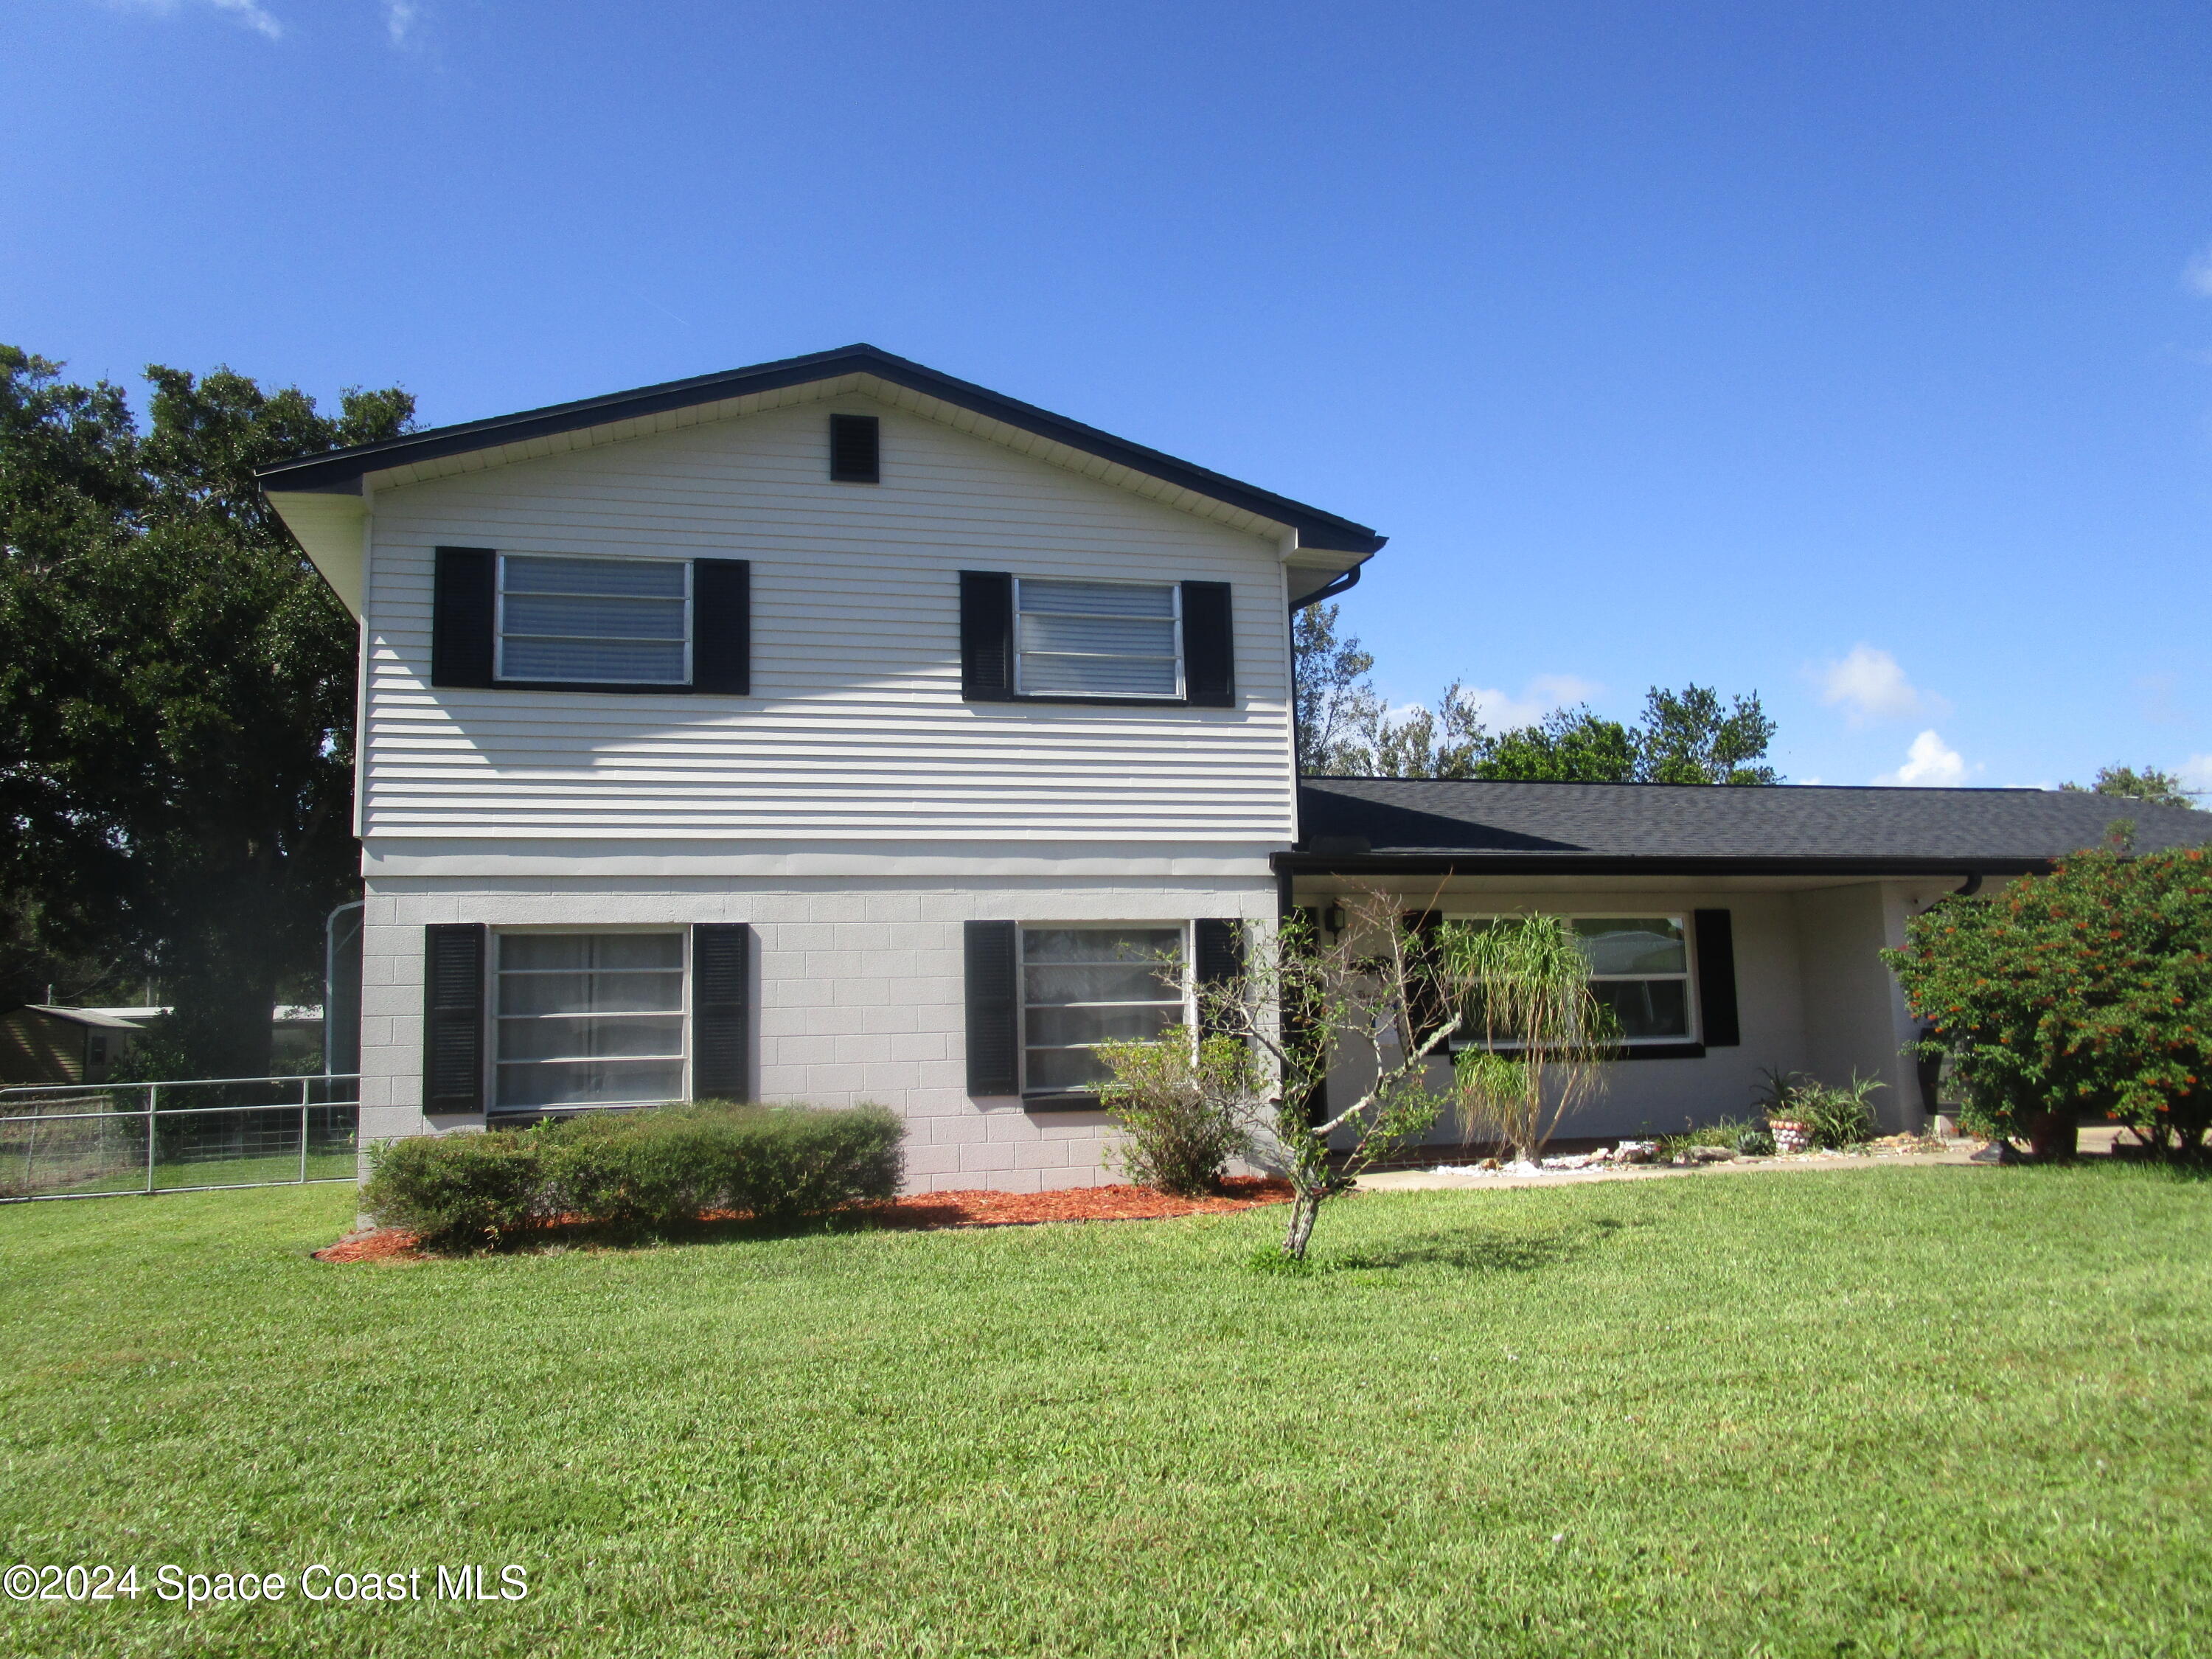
[855,729]
[948,415]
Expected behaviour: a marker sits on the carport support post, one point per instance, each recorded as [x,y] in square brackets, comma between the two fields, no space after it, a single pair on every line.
[153,1102]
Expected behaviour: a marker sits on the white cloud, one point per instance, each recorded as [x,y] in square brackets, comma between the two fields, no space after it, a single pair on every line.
[2196,772]
[2198,273]
[1501,711]
[248,12]
[1870,685]
[1930,764]
[400,17]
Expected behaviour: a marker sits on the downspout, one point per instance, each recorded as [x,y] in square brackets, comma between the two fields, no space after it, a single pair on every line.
[330,979]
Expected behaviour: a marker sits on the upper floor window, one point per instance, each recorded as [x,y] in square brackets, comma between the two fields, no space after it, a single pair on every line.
[1097,638]
[584,622]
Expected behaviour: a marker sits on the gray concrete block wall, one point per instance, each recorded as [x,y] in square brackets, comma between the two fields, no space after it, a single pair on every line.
[859,995]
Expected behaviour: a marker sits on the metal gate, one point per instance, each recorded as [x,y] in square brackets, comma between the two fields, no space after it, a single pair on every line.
[100,1140]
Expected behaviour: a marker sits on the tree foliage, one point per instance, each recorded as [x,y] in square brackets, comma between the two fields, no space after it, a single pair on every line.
[176,693]
[2151,785]
[1378,1001]
[2089,987]
[1543,1036]
[1345,729]
[1335,704]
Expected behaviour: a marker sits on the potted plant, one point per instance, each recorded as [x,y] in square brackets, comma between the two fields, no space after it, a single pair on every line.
[1781,1099]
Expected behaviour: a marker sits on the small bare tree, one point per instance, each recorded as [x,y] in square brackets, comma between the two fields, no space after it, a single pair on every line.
[1382,996]
[1543,1036]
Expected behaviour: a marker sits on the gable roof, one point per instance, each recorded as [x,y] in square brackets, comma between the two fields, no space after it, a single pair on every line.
[340,471]
[99,1019]
[1356,825]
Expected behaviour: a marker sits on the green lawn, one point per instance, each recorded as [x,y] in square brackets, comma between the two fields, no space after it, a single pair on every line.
[1952,1411]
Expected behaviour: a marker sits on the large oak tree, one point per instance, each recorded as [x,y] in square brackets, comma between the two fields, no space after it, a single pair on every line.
[176,696]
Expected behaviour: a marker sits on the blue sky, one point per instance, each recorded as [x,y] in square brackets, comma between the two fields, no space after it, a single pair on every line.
[1858,354]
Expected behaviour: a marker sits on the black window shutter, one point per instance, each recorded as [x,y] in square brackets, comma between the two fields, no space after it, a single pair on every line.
[995,1008]
[1209,660]
[1220,954]
[1426,1009]
[453,1017]
[722,626]
[722,1010]
[855,449]
[1716,936]
[986,636]
[464,616]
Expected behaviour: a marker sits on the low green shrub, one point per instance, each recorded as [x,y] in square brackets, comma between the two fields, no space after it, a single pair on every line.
[1727,1132]
[632,1171]
[647,1171]
[1839,1117]
[1755,1140]
[455,1189]
[786,1165]
[1186,1107]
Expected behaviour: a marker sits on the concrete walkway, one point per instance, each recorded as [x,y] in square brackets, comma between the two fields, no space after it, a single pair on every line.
[2094,1142]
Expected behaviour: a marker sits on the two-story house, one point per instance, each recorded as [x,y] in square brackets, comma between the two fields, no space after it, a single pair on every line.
[826,730]
[834,729]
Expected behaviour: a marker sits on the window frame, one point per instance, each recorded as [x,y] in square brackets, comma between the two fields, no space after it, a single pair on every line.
[1180,695]
[499,676]
[1694,1036]
[1082,1097]
[495,969]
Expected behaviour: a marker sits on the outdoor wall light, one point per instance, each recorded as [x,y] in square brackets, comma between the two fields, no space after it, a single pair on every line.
[1333,918]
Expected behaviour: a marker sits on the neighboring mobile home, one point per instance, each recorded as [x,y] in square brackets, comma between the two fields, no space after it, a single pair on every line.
[836,730]
[40,1042]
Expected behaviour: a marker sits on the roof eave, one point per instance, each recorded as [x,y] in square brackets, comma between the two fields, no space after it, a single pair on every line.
[1599,863]
[340,471]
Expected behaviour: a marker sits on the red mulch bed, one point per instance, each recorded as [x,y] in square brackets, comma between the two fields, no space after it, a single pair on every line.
[375,1246]
[971,1207]
[977,1208]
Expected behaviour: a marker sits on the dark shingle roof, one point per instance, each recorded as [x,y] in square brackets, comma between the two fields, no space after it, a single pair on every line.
[1350,822]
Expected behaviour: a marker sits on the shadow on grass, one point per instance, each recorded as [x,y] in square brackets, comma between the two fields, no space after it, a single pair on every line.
[1467,1251]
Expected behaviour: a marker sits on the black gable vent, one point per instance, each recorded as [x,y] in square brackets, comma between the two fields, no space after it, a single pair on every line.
[855,449]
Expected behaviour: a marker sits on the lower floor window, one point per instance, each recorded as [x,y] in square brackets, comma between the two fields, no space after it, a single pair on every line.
[589,1019]
[1639,969]
[1082,986]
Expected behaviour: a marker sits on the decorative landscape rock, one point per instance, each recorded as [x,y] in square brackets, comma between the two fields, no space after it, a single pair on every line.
[1636,1152]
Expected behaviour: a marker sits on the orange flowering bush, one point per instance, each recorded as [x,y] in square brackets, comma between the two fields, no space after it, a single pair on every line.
[2089,987]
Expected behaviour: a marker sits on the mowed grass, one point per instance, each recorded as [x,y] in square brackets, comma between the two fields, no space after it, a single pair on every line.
[1952,1411]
